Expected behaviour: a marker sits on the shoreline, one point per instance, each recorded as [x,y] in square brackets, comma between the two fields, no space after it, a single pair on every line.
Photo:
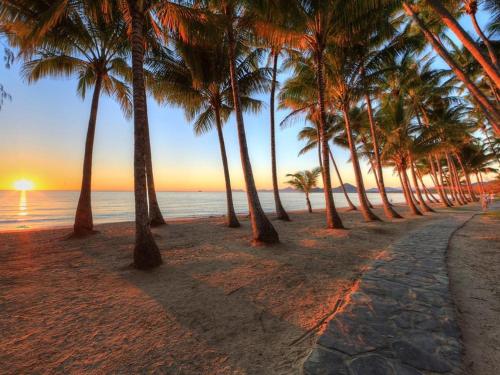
[271,215]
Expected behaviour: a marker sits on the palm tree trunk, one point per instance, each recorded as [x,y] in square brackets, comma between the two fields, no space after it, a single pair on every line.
[262,229]
[452,182]
[461,191]
[332,217]
[455,180]
[423,206]
[308,202]
[146,252]
[363,201]
[480,184]
[155,217]
[439,182]
[231,218]
[83,218]
[379,176]
[489,110]
[434,181]
[411,192]
[440,175]
[319,147]
[430,197]
[486,41]
[467,178]
[407,192]
[352,207]
[466,40]
[280,211]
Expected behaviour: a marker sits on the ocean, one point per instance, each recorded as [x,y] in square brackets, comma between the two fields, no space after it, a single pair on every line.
[48,209]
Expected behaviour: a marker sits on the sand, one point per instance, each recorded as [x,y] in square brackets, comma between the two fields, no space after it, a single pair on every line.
[217,305]
[474,266]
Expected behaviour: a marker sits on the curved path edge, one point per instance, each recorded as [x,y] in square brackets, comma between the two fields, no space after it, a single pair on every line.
[400,318]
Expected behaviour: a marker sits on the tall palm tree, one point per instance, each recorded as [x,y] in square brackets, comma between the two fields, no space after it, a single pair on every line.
[268,13]
[280,211]
[377,44]
[344,80]
[94,49]
[146,252]
[145,17]
[305,181]
[234,18]
[298,94]
[198,80]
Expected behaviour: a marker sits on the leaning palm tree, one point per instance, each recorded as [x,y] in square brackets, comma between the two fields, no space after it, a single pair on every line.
[204,91]
[397,132]
[489,109]
[305,181]
[344,81]
[94,49]
[449,20]
[471,8]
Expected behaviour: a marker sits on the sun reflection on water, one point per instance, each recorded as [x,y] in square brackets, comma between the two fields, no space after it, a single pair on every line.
[23,203]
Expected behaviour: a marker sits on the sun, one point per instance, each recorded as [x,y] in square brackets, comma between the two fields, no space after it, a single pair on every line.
[23,185]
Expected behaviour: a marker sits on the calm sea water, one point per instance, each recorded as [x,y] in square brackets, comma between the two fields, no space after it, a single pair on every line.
[43,209]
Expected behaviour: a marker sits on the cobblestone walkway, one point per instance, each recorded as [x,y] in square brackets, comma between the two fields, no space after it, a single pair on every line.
[400,320]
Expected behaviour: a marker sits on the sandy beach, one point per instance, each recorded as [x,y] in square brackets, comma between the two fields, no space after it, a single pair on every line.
[217,305]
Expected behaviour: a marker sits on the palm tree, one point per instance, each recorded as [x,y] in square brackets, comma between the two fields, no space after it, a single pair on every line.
[146,17]
[204,91]
[299,95]
[470,7]
[234,18]
[344,80]
[268,13]
[488,108]
[447,18]
[146,252]
[280,211]
[305,181]
[95,50]
[311,136]
[397,130]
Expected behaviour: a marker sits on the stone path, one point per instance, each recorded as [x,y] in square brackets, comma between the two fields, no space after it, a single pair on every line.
[400,319]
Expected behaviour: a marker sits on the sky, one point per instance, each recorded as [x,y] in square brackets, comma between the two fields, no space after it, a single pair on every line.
[43,128]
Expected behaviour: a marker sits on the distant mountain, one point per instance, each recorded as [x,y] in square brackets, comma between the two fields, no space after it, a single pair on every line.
[348,187]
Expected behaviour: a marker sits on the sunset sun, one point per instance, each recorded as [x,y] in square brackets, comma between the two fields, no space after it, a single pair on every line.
[23,185]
